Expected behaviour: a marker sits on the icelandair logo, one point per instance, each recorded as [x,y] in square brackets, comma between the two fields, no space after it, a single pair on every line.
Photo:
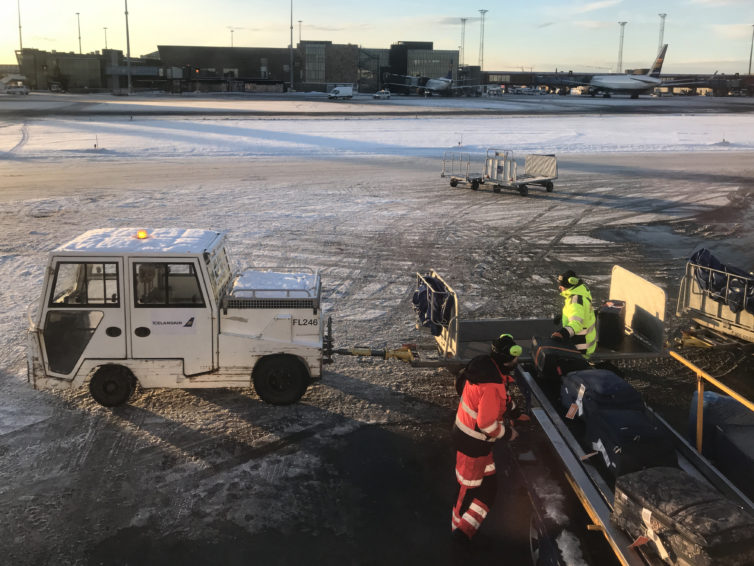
[174,323]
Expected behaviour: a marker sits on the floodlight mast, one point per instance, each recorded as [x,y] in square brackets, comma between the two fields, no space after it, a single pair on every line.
[78,20]
[128,51]
[481,41]
[463,39]
[20,40]
[662,31]
[290,47]
[620,46]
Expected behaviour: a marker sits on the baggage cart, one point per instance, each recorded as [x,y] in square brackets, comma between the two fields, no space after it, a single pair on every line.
[456,166]
[501,171]
[719,301]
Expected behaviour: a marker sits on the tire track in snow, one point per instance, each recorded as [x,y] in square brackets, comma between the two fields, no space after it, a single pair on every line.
[24,138]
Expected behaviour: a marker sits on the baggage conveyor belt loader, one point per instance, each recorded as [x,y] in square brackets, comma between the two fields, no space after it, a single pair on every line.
[458,340]
[560,453]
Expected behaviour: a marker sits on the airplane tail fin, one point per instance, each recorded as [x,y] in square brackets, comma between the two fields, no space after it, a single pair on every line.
[654,71]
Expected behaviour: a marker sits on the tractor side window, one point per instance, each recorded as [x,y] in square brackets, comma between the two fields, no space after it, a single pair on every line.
[167,285]
[80,284]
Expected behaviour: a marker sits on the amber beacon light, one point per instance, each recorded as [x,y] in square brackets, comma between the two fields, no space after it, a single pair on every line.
[142,235]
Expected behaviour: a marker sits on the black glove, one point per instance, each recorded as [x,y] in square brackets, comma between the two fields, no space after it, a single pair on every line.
[557,336]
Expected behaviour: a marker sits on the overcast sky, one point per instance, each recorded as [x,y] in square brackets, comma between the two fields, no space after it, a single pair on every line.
[704,35]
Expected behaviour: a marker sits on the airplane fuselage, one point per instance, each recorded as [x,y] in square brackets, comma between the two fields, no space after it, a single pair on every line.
[624,83]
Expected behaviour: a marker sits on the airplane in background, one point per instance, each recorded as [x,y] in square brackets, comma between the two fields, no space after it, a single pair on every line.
[633,85]
[443,86]
[440,85]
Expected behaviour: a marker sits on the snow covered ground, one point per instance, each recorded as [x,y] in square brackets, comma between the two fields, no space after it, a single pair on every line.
[360,199]
[145,137]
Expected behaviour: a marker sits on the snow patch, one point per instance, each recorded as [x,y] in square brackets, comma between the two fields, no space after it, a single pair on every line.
[570,549]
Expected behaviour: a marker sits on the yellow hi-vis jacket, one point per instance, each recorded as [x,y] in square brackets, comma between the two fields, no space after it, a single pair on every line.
[578,319]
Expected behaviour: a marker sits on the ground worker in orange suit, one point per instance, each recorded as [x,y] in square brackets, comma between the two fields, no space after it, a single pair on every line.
[485,415]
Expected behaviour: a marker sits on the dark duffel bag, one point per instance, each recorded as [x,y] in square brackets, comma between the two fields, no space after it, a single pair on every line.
[598,388]
[553,359]
[684,520]
[628,440]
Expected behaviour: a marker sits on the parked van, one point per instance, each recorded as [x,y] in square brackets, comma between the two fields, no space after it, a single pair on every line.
[17,89]
[341,92]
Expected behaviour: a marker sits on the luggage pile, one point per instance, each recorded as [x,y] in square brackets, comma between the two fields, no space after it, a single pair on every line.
[727,437]
[683,520]
[617,423]
[433,304]
[725,284]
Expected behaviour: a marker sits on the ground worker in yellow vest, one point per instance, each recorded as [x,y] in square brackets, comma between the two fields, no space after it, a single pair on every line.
[578,323]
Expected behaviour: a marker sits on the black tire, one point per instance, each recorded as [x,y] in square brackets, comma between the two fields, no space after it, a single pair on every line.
[474,185]
[112,385]
[453,182]
[549,186]
[280,380]
[523,190]
[495,189]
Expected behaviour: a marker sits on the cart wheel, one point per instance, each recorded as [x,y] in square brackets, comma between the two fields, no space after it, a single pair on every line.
[474,185]
[549,186]
[495,189]
[523,190]
[453,182]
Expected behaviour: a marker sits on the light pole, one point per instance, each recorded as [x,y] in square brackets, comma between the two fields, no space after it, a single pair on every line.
[78,19]
[20,41]
[105,37]
[662,31]
[290,47]
[299,31]
[463,39]
[231,37]
[128,51]
[752,46]
[481,42]
[620,47]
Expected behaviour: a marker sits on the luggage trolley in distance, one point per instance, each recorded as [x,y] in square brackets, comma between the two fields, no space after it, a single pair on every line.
[501,171]
[456,166]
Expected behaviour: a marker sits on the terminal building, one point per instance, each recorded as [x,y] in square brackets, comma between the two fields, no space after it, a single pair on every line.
[309,67]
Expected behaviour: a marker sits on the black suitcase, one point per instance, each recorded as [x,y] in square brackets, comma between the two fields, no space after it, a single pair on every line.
[686,521]
[598,388]
[734,455]
[628,440]
[553,359]
[611,324]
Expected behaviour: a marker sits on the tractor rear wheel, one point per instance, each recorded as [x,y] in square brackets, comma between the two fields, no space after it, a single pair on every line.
[112,385]
[280,380]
